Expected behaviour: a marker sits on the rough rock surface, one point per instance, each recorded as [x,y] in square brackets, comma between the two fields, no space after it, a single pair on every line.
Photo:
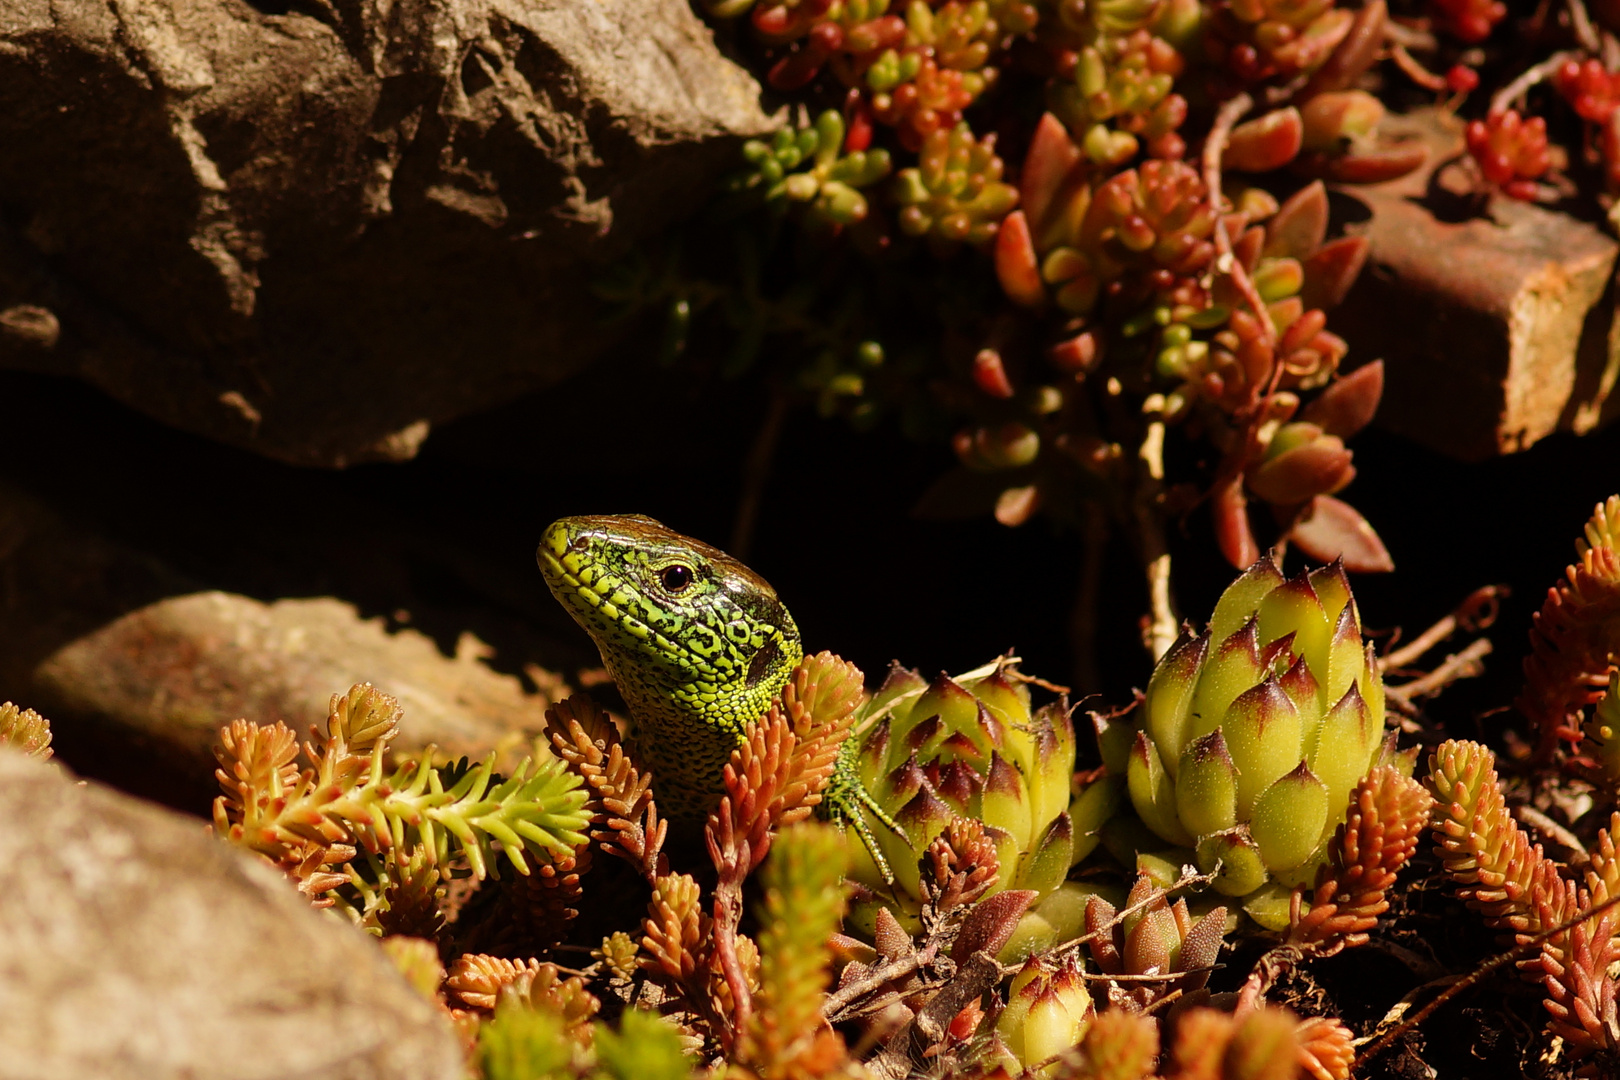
[316,229]
[136,947]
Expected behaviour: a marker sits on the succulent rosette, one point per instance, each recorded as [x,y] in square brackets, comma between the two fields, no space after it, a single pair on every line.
[1251,737]
[970,747]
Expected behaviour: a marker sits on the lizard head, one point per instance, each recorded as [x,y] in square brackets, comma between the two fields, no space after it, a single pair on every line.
[666,608]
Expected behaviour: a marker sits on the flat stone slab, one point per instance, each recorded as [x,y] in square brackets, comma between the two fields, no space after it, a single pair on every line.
[138,667]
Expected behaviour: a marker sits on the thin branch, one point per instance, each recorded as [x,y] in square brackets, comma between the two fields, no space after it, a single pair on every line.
[1168,976]
[1581,23]
[1513,91]
[1549,828]
[885,972]
[1230,112]
[1163,625]
[1186,879]
[1478,975]
[1477,612]
[1416,71]
[1463,665]
[1411,37]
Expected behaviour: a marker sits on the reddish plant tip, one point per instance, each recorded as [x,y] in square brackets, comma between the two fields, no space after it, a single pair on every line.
[1469,20]
[990,374]
[859,119]
[1462,79]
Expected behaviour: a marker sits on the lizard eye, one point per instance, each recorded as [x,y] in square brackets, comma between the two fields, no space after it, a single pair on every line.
[676,577]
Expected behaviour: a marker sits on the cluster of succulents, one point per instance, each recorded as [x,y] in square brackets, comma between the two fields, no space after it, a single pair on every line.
[812,166]
[997,911]
[1105,239]
[955,193]
[1251,737]
[1511,151]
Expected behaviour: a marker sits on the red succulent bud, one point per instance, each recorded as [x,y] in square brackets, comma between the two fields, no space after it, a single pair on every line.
[1462,79]
[1469,20]
[1511,151]
[990,374]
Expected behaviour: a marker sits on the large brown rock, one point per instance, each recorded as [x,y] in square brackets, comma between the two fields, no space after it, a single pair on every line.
[316,233]
[134,946]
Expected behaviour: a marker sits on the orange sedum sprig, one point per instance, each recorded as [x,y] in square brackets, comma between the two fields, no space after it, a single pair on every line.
[1519,888]
[1575,637]
[1388,814]
[624,818]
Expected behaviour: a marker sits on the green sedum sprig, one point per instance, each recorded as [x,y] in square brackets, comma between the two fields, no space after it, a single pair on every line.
[315,820]
[810,165]
[528,1041]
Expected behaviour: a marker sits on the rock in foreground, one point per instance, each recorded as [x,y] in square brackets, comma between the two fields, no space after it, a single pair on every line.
[134,946]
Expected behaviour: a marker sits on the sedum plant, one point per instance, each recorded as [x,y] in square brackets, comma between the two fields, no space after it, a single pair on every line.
[1574,642]
[1253,734]
[415,825]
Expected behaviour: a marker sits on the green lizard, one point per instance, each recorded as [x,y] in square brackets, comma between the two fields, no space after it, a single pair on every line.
[698,644]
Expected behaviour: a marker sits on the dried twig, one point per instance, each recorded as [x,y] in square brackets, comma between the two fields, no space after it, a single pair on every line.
[1230,112]
[1186,879]
[1415,70]
[1477,612]
[888,971]
[1581,23]
[1163,625]
[1545,825]
[1462,665]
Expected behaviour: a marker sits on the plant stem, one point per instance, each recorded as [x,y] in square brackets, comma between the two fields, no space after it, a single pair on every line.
[1504,98]
[1231,111]
[1463,665]
[1476,612]
[1163,625]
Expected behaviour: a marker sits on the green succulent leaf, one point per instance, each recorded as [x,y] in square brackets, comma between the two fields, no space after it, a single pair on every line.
[1288,819]
[1206,787]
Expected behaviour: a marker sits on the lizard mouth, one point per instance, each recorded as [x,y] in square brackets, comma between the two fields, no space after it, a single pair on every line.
[588,605]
